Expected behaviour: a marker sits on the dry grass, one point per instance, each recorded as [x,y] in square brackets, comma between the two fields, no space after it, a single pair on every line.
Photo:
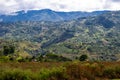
[33,66]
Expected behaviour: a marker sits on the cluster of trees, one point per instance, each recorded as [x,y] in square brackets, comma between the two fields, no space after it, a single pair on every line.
[8,52]
[10,49]
[9,55]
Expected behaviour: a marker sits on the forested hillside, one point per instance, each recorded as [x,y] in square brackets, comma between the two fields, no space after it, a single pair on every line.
[96,36]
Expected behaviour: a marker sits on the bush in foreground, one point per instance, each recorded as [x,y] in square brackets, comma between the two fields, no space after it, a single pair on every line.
[43,74]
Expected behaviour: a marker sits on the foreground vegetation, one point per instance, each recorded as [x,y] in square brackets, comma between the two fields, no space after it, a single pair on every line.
[60,71]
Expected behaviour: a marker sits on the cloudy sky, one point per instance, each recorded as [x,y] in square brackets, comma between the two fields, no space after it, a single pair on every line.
[8,6]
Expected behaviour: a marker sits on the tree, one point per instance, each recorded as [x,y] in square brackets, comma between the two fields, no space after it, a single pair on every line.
[11,49]
[5,50]
[8,50]
[83,57]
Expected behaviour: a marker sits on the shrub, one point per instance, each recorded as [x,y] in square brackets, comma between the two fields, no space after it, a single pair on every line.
[4,59]
[20,59]
[53,74]
[15,74]
[83,57]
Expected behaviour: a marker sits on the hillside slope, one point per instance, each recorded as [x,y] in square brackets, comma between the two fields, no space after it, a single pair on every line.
[97,36]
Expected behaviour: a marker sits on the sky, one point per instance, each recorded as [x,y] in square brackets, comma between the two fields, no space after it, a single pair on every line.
[11,6]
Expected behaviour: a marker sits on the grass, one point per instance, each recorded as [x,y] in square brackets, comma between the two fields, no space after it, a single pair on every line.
[60,71]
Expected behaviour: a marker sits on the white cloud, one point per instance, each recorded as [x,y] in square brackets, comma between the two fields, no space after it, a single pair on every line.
[8,6]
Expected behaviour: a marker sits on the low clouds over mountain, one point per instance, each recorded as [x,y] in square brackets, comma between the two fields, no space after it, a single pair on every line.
[9,6]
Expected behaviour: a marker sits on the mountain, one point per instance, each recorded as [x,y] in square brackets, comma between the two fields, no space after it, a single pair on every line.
[47,15]
[96,36]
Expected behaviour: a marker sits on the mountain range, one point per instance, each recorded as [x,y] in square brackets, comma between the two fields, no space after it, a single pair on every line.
[97,35]
[47,15]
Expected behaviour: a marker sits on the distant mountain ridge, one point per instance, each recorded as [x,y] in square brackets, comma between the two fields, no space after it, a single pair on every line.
[47,15]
